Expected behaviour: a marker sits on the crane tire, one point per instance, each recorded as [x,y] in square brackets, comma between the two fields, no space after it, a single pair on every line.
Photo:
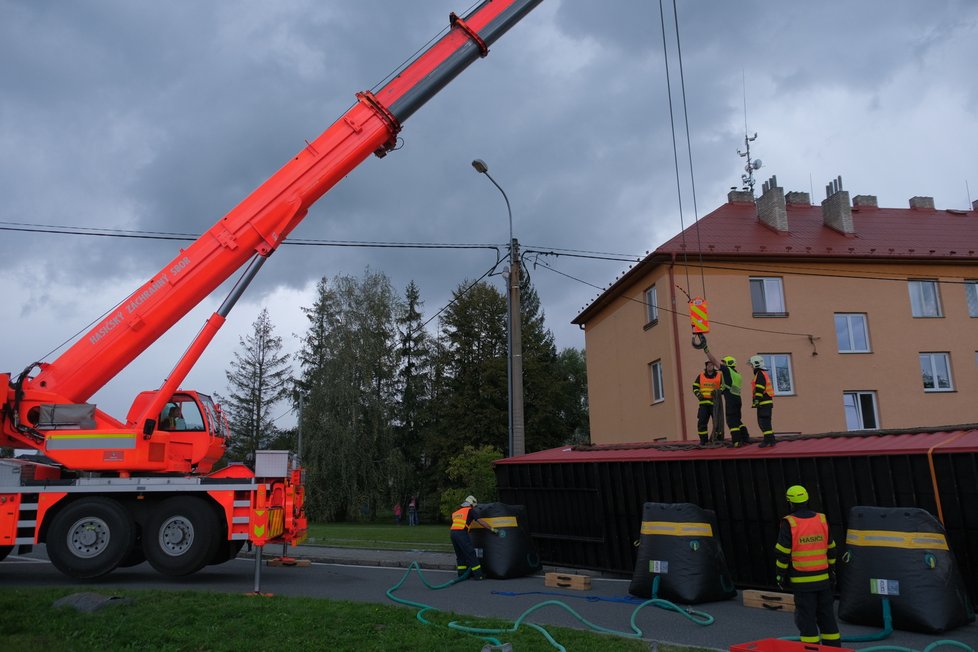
[90,537]
[4,551]
[181,535]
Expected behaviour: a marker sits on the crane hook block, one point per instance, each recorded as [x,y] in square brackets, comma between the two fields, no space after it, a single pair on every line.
[699,315]
[699,341]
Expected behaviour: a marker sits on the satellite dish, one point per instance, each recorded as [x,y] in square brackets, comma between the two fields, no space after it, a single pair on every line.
[756,164]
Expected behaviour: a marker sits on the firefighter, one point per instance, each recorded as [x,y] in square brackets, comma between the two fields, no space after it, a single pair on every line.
[763,400]
[466,560]
[706,387]
[805,565]
[730,383]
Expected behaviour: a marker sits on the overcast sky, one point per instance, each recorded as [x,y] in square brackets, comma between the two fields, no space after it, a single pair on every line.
[162,116]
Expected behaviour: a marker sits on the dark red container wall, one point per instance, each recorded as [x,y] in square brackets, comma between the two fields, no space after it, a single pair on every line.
[588,514]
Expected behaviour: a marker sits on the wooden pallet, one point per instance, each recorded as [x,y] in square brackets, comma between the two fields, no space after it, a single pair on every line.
[770,600]
[567,581]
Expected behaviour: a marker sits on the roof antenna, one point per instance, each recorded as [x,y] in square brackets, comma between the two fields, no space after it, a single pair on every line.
[752,165]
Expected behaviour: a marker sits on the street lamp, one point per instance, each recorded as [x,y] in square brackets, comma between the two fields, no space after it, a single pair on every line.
[514,337]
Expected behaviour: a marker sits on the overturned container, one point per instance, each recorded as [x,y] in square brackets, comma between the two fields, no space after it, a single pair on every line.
[901,555]
[509,553]
[678,544]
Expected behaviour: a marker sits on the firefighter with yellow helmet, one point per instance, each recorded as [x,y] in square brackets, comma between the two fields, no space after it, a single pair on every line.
[730,386]
[805,565]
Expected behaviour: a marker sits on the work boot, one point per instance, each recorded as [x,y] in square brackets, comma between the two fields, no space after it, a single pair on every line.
[767,441]
[704,441]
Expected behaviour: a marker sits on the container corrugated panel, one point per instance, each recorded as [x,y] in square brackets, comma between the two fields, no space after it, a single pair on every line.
[585,504]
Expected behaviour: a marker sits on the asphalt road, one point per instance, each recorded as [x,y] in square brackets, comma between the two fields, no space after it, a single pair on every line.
[733,623]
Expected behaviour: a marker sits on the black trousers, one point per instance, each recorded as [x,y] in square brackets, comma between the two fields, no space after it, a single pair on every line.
[465,558]
[731,408]
[815,617]
[764,419]
[703,416]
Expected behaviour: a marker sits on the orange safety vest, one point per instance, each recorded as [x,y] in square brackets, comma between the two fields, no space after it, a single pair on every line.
[459,518]
[707,386]
[810,541]
[766,396]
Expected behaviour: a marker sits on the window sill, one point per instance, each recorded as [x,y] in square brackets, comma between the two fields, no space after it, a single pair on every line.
[855,352]
[939,391]
[650,324]
[769,314]
[927,316]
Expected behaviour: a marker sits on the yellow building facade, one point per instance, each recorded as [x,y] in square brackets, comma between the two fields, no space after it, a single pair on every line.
[867,318]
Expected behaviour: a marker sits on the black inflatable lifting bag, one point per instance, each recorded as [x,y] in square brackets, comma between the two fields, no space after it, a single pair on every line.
[509,556]
[697,570]
[932,596]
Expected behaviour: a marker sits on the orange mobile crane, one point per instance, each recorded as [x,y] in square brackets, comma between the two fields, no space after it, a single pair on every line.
[103,493]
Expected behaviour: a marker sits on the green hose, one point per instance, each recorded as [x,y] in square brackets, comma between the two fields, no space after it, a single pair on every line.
[698,617]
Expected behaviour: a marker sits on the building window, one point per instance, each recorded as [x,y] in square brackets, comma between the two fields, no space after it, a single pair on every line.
[651,306]
[935,368]
[851,331]
[924,299]
[767,297]
[779,369]
[971,291]
[860,410]
[655,372]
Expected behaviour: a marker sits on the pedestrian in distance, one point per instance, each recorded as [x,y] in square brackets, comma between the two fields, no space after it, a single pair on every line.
[805,565]
[466,560]
[397,514]
[413,511]
[763,400]
[706,388]
[730,386]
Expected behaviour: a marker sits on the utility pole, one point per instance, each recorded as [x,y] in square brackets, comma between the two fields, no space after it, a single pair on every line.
[516,350]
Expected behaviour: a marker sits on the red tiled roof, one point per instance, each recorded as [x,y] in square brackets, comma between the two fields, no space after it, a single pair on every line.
[734,230]
[954,439]
[907,233]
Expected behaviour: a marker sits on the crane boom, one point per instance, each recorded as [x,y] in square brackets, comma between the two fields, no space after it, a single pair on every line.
[252,229]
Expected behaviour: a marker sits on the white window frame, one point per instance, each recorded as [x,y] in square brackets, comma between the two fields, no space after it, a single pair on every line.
[930,361]
[857,419]
[770,363]
[651,305]
[971,293]
[655,377]
[853,320]
[918,300]
[771,289]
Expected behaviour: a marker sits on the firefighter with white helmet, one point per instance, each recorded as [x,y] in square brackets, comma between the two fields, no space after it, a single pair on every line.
[805,565]
[466,560]
[763,401]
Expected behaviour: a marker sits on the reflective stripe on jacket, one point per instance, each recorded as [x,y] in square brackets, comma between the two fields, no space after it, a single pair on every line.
[732,380]
[763,390]
[704,387]
[460,518]
[810,544]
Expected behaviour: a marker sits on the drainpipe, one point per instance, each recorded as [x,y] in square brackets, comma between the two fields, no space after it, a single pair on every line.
[679,360]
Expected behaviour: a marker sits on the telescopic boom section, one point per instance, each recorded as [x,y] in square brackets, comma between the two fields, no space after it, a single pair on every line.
[267,216]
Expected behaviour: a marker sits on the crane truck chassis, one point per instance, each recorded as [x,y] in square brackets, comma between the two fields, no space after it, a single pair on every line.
[102,493]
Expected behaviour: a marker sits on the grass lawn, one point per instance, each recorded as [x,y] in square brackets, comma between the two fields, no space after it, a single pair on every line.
[380,536]
[162,621]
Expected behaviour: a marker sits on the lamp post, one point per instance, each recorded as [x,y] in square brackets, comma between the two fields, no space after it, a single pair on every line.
[514,334]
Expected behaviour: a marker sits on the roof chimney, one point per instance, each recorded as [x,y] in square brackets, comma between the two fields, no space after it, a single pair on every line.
[795,198]
[771,208]
[922,203]
[836,212]
[740,197]
[864,201]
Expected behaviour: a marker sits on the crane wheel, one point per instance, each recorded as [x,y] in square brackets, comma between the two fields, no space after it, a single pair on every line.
[181,535]
[4,551]
[90,537]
